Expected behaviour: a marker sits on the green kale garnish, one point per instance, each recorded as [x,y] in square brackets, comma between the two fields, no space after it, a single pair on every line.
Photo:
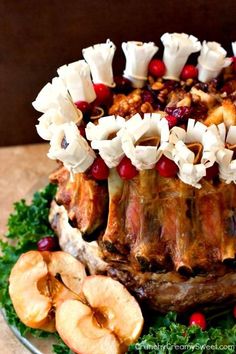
[168,336]
[60,347]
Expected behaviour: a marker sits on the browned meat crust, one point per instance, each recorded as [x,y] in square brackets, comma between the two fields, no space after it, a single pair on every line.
[84,199]
[161,291]
[163,223]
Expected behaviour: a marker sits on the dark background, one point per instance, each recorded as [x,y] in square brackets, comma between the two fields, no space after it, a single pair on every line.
[36,37]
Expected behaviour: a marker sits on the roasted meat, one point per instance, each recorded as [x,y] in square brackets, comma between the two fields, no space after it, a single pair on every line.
[84,199]
[161,219]
[171,244]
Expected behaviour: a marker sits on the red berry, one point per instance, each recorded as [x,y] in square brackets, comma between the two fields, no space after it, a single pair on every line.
[83,106]
[123,84]
[172,121]
[212,171]
[48,244]
[198,319]
[234,311]
[103,94]
[157,68]
[147,96]
[99,169]
[166,167]
[82,130]
[189,72]
[181,113]
[126,170]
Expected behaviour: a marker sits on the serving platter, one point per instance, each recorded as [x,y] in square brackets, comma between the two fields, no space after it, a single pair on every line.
[34,345]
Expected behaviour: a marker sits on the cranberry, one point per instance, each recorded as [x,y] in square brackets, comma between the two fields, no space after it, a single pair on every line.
[234,311]
[181,113]
[212,171]
[157,68]
[83,106]
[126,170]
[48,243]
[99,169]
[189,72]
[171,85]
[103,94]
[147,96]
[198,319]
[172,121]
[166,167]
[82,130]
[123,85]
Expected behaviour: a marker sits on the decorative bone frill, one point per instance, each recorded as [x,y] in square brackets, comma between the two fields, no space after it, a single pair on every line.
[211,61]
[143,141]
[76,77]
[54,101]
[49,95]
[191,171]
[99,57]
[105,139]
[225,155]
[76,154]
[153,131]
[177,48]
[138,56]
[234,48]
[66,112]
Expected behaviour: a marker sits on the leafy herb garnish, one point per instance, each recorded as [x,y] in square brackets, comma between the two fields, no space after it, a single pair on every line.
[168,335]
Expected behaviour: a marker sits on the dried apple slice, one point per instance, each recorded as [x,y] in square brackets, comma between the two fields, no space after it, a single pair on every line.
[120,309]
[31,305]
[78,328]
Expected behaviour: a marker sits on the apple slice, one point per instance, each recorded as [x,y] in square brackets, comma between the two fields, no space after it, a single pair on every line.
[71,271]
[120,309]
[78,328]
[41,281]
[31,305]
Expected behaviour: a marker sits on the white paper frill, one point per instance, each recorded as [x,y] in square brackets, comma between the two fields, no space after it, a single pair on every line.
[99,57]
[177,48]
[77,156]
[225,155]
[189,172]
[211,61]
[137,129]
[110,149]
[138,56]
[77,79]
[234,48]
[49,95]
[54,101]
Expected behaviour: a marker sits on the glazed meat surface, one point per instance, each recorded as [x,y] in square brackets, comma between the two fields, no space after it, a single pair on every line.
[164,224]
[84,199]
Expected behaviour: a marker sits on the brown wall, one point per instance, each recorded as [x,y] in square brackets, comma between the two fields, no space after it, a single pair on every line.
[37,36]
